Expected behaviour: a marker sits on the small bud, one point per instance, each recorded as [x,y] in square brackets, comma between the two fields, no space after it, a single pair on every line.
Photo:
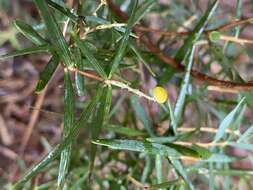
[160,94]
[214,36]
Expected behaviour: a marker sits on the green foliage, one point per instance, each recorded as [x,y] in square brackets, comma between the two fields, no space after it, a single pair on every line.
[123,44]
[56,36]
[29,32]
[140,112]
[91,58]
[79,79]
[214,36]
[98,121]
[26,51]
[68,124]
[147,147]
[229,120]
[184,86]
[73,132]
[197,31]
[47,73]
[117,125]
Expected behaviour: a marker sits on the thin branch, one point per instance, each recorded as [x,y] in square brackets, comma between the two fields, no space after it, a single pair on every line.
[125,86]
[208,130]
[113,83]
[101,27]
[233,24]
[205,145]
[174,33]
[200,77]
[86,74]
[33,120]
[135,182]
[236,39]
[101,4]
[222,90]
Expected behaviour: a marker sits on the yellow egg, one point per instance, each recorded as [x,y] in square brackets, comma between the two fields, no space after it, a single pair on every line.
[160,94]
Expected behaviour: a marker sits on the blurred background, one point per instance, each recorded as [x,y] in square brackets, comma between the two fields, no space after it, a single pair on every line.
[28,133]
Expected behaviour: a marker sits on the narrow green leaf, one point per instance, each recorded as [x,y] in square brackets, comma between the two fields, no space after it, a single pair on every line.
[123,44]
[81,180]
[249,98]
[212,185]
[158,167]
[117,105]
[202,152]
[68,123]
[164,185]
[184,86]
[139,146]
[229,120]
[197,31]
[87,112]
[98,122]
[245,137]
[221,158]
[30,50]
[230,69]
[233,172]
[47,73]
[171,139]
[80,84]
[56,35]
[29,32]
[79,79]
[125,130]
[141,58]
[91,58]
[172,117]
[147,168]
[144,8]
[187,151]
[97,20]
[64,10]
[237,29]
[182,172]
[142,115]
[162,139]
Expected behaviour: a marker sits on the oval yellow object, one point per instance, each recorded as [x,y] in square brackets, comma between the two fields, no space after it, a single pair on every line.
[160,94]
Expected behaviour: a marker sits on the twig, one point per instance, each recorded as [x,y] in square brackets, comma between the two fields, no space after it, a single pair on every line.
[233,24]
[8,153]
[86,74]
[113,83]
[125,86]
[100,27]
[209,130]
[236,39]
[185,33]
[4,134]
[185,158]
[135,182]
[200,77]
[221,89]
[101,4]
[205,145]
[33,120]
